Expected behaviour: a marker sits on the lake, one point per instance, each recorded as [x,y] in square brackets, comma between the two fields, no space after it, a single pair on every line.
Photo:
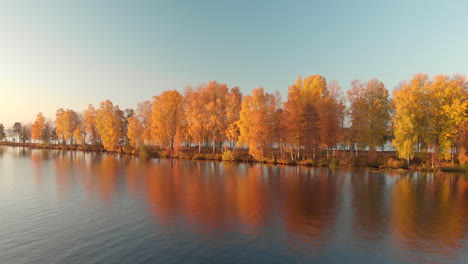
[75,207]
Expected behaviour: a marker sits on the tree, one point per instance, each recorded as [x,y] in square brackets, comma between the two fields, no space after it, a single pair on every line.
[109,125]
[59,123]
[139,125]
[167,114]
[258,118]
[89,124]
[143,114]
[301,114]
[66,121]
[410,122]
[70,121]
[37,127]
[206,111]
[195,115]
[233,107]
[215,96]
[370,113]
[2,132]
[17,128]
[135,131]
[429,116]
[25,134]
[448,100]
[79,135]
[47,132]
[292,120]
[331,115]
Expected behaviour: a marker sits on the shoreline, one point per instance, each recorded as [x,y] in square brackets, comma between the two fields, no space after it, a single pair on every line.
[242,156]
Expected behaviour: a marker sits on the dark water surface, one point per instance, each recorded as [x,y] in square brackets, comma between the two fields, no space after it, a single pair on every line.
[74,207]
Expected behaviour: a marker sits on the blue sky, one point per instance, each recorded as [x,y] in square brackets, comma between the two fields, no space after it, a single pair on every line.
[71,53]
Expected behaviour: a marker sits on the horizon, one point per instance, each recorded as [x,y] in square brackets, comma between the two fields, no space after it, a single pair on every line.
[71,55]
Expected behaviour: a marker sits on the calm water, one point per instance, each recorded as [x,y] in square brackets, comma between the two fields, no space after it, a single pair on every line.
[72,207]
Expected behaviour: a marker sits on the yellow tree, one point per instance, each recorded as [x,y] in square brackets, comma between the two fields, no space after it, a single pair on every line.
[233,107]
[59,123]
[79,135]
[411,119]
[89,124]
[37,127]
[448,106]
[167,115]
[70,122]
[429,116]
[109,125]
[461,140]
[66,122]
[135,132]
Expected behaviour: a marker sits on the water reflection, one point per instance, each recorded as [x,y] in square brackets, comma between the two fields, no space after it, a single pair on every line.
[311,199]
[369,204]
[413,217]
[429,213]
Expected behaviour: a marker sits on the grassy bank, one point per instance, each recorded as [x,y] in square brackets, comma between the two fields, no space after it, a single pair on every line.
[338,159]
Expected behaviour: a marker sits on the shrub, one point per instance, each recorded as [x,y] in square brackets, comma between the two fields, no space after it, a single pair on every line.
[395,163]
[145,151]
[229,156]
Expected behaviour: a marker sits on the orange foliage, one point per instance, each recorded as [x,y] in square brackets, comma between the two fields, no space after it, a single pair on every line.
[109,122]
[37,127]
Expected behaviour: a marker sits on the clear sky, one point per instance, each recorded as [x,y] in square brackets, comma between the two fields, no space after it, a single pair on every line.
[71,53]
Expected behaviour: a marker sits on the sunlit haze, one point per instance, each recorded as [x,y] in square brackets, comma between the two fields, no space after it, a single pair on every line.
[72,53]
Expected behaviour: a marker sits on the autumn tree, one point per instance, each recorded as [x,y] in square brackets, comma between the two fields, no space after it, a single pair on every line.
[37,128]
[167,113]
[66,122]
[139,125]
[215,98]
[257,122]
[429,116]
[292,116]
[143,113]
[411,120]
[195,115]
[331,114]
[134,132]
[233,107]
[370,113]
[302,116]
[448,109]
[209,113]
[89,124]
[462,142]
[79,135]
[59,126]
[109,125]
[461,139]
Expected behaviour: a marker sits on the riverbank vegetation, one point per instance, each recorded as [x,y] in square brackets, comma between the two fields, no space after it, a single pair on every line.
[425,121]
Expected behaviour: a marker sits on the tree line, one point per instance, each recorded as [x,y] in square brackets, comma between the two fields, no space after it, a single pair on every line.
[424,118]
